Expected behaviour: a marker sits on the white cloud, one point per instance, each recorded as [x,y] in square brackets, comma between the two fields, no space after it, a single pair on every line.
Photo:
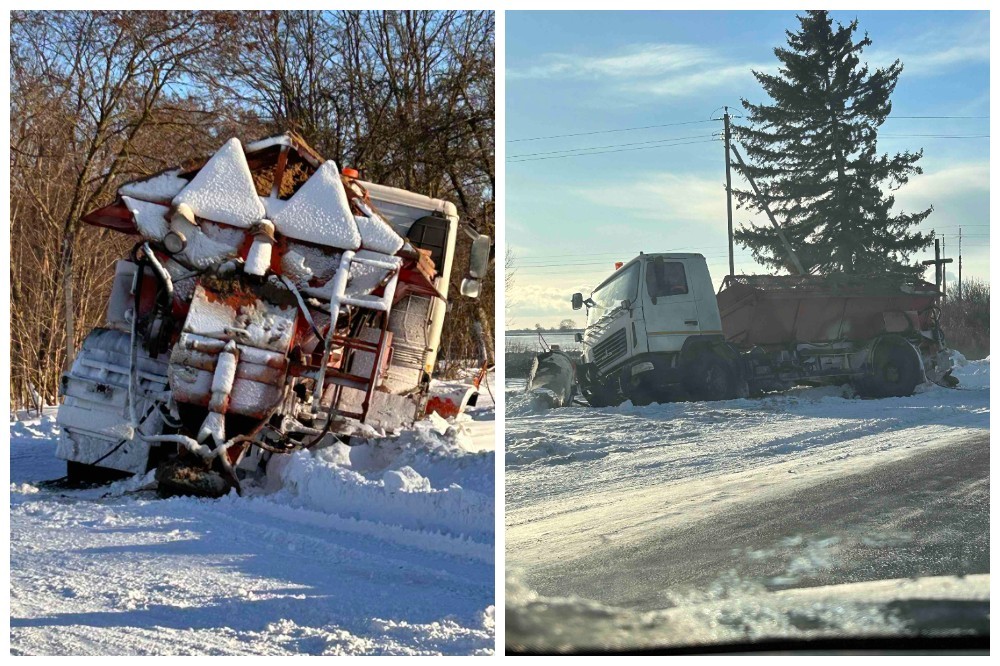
[633,61]
[933,53]
[646,70]
[666,197]
[951,183]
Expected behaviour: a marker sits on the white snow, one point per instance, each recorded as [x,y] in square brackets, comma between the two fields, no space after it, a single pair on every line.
[160,188]
[579,476]
[319,212]
[150,218]
[365,278]
[387,549]
[259,257]
[223,190]
[376,234]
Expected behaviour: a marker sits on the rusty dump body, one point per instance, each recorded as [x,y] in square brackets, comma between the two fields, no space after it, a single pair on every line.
[778,311]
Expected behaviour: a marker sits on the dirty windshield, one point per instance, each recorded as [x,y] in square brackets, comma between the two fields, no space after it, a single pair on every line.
[797,449]
[621,287]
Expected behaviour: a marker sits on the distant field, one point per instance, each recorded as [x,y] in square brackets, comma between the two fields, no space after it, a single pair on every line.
[516,341]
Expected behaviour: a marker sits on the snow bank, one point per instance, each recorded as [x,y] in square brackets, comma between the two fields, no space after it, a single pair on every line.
[223,190]
[422,481]
[397,560]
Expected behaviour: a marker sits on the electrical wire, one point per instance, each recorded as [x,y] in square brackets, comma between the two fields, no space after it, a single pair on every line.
[611,131]
[614,145]
[604,152]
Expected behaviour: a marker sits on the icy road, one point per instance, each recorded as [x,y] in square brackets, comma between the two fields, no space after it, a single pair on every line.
[383,549]
[637,507]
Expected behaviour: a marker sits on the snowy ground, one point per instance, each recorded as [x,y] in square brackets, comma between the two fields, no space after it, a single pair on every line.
[373,549]
[583,481]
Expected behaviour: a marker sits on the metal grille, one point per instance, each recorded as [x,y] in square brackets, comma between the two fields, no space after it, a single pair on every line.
[614,347]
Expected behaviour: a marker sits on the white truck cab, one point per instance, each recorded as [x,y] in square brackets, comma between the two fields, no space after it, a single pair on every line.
[655,314]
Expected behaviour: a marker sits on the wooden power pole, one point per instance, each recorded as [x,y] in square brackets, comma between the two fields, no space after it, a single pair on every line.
[960,263]
[729,194]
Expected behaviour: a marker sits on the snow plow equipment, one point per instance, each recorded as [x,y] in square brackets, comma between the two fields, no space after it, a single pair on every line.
[657,332]
[271,303]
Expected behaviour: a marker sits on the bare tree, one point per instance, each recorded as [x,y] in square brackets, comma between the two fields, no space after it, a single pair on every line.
[100,98]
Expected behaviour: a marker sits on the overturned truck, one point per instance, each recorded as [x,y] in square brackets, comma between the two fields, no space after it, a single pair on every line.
[271,302]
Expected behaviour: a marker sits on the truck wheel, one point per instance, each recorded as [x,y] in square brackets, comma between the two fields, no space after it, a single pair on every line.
[598,396]
[895,371]
[710,377]
[641,394]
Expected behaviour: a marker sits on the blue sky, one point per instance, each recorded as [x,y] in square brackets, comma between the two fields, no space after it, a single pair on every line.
[569,219]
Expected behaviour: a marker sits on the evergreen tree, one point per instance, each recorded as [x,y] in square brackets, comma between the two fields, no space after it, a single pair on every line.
[813,154]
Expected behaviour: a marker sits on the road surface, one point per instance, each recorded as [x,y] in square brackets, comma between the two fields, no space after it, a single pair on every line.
[922,515]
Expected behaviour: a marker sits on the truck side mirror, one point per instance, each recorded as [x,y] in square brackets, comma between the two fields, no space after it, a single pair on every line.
[470,288]
[578,337]
[577,301]
[479,256]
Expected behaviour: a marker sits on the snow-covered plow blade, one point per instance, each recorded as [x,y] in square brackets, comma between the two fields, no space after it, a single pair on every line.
[271,303]
[552,379]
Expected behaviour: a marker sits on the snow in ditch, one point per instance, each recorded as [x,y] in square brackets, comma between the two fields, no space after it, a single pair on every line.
[382,548]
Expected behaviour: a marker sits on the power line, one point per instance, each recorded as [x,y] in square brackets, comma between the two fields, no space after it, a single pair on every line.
[935,136]
[936,117]
[613,145]
[611,131]
[711,120]
[605,152]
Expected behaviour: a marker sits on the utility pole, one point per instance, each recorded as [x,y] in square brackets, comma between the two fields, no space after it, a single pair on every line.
[729,194]
[960,263]
[944,273]
[937,262]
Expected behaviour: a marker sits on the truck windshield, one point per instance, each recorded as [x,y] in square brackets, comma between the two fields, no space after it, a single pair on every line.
[610,294]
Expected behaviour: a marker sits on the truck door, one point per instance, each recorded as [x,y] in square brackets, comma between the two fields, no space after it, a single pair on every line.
[669,306]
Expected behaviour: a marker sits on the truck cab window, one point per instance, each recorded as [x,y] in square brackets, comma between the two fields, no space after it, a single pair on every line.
[665,278]
[621,287]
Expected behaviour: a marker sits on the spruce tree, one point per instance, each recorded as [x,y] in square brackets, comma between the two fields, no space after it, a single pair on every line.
[813,154]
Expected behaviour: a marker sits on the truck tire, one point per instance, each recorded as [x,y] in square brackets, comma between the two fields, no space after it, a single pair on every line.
[710,377]
[595,391]
[599,396]
[894,370]
[642,394]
